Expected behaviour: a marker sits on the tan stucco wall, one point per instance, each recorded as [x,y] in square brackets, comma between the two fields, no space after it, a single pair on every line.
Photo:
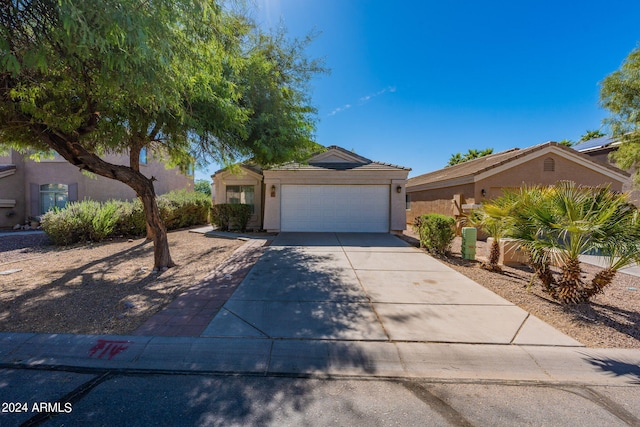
[531,172]
[439,201]
[392,178]
[628,187]
[12,188]
[244,177]
[59,171]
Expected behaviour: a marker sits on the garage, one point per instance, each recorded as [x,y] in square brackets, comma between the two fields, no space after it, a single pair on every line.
[334,190]
[339,208]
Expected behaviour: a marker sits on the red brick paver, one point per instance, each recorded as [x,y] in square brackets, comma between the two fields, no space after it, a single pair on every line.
[192,311]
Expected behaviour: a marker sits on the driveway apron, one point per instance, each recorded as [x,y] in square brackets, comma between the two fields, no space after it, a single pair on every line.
[369,287]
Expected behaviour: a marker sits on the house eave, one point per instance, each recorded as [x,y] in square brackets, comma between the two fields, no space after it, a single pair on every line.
[454,182]
[574,157]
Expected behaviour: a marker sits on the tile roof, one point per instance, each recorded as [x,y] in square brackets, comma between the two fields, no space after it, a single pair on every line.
[250,166]
[338,166]
[360,163]
[483,164]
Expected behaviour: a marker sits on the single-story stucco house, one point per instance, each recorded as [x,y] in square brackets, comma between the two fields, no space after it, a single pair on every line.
[599,150]
[336,191]
[452,190]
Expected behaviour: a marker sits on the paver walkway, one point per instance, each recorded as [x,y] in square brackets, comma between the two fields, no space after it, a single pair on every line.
[190,313]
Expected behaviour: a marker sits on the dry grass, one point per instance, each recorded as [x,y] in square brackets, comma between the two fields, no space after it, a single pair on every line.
[106,288]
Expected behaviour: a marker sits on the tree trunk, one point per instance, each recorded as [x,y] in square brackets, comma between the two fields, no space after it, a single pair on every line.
[545,275]
[570,287]
[161,256]
[601,280]
[69,148]
[494,253]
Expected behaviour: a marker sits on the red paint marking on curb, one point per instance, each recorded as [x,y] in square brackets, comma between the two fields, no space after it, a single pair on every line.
[109,348]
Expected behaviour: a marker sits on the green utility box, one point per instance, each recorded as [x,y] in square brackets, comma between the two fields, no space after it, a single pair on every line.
[469,237]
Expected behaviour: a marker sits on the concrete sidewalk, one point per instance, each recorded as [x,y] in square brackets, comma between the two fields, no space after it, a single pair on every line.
[257,356]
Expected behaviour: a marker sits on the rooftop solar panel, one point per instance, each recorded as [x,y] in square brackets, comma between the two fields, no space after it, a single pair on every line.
[603,141]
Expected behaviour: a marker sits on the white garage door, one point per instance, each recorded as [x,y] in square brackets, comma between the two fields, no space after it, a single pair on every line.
[360,208]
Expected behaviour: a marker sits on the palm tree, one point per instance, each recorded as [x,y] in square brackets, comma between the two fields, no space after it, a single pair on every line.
[494,218]
[455,159]
[558,224]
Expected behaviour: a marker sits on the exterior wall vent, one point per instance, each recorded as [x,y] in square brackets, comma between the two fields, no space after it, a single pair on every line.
[549,165]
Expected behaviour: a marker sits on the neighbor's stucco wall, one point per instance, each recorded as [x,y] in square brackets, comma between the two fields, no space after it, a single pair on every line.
[533,173]
[438,200]
[99,188]
[602,156]
[12,188]
[59,171]
[392,178]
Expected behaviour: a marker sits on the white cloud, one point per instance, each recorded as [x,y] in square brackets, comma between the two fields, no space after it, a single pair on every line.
[364,100]
[340,109]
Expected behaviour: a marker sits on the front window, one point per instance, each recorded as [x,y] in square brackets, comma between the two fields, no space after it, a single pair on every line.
[53,196]
[241,194]
[407,202]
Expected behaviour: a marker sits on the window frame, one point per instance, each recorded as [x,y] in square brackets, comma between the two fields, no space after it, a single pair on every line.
[242,195]
[57,190]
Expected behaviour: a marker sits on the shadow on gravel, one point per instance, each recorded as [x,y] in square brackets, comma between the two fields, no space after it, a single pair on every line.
[94,290]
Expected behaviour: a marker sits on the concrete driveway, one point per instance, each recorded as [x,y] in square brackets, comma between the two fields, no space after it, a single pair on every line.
[369,287]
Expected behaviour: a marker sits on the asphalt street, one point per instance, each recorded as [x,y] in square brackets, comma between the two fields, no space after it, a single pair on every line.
[107,398]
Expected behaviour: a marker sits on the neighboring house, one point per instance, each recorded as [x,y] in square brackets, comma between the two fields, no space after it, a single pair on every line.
[452,190]
[29,188]
[599,149]
[336,190]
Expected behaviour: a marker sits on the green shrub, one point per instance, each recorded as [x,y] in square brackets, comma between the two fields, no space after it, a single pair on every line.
[131,221]
[231,217]
[179,209]
[436,233]
[104,221]
[94,221]
[72,224]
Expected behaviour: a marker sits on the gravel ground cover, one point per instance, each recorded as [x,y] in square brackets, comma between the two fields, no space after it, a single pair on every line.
[612,320]
[105,288]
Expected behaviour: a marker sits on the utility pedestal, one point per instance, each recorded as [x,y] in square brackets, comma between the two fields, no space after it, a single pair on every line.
[469,237]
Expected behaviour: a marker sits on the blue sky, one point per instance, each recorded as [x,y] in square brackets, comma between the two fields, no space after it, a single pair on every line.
[413,82]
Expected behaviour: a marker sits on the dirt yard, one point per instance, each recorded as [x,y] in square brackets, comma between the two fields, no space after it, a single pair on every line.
[106,288]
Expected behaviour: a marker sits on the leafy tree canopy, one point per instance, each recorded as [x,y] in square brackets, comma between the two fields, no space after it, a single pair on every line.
[567,143]
[469,155]
[203,186]
[189,80]
[620,94]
